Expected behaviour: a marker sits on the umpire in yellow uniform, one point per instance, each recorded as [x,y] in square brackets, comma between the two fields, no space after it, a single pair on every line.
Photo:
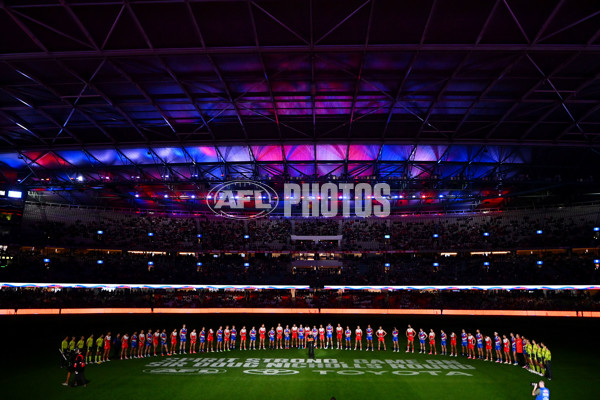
[547,357]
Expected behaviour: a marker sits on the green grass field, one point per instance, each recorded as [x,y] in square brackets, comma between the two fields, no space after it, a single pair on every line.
[31,362]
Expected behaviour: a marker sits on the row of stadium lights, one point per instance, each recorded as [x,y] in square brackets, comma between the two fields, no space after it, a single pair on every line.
[395,197]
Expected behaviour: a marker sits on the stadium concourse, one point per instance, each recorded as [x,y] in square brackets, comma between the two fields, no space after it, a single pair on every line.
[245,162]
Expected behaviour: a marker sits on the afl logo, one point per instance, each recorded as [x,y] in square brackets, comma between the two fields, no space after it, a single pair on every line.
[242,199]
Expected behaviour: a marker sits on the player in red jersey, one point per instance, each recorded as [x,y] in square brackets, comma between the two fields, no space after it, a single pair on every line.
[488,349]
[279,331]
[261,334]
[471,345]
[106,347]
[506,348]
[321,336]
[155,341]
[173,341]
[210,342]
[339,331]
[432,342]
[381,338]
[453,350]
[193,339]
[124,346]
[410,335]
[227,335]
[294,336]
[243,334]
[358,338]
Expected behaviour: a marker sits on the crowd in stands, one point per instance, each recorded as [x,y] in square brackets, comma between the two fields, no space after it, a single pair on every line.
[78,227]
[565,268]
[11,298]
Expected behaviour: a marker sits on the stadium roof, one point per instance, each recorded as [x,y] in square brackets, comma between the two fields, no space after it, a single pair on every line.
[300,88]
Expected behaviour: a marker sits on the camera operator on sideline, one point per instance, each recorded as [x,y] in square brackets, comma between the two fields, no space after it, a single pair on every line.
[79,367]
[540,391]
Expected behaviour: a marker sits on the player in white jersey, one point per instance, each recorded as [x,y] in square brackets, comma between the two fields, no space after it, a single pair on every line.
[358,338]
[381,338]
[193,340]
[410,336]
[339,332]
[243,334]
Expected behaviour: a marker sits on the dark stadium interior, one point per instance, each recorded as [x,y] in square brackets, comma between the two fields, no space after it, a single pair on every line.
[118,117]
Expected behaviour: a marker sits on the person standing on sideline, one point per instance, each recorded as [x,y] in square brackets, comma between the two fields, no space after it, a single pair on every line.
[310,342]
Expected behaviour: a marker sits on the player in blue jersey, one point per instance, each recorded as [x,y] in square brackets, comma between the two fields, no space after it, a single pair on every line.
[348,335]
[286,336]
[134,345]
[202,340]
[395,340]
[369,332]
[479,338]
[497,346]
[272,338]
[233,337]
[329,341]
[463,343]
[300,337]
[443,338]
[182,339]
[148,343]
[422,338]
[513,345]
[163,343]
[253,338]
[220,339]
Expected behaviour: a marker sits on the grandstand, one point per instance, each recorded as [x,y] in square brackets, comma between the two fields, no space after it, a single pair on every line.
[374,161]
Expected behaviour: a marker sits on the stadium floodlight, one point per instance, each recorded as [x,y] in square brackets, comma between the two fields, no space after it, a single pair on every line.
[246,236]
[387,236]
[387,265]
[80,178]
[150,234]
[597,261]
[486,234]
[137,195]
[100,232]
[150,262]
[199,235]
[46,260]
[435,235]
[539,231]
[435,264]
[100,262]
[193,196]
[215,256]
[597,229]
[246,265]
[540,262]
[166,196]
[486,263]
[199,264]
[441,196]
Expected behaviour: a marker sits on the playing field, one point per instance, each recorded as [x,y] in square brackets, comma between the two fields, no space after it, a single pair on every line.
[31,362]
